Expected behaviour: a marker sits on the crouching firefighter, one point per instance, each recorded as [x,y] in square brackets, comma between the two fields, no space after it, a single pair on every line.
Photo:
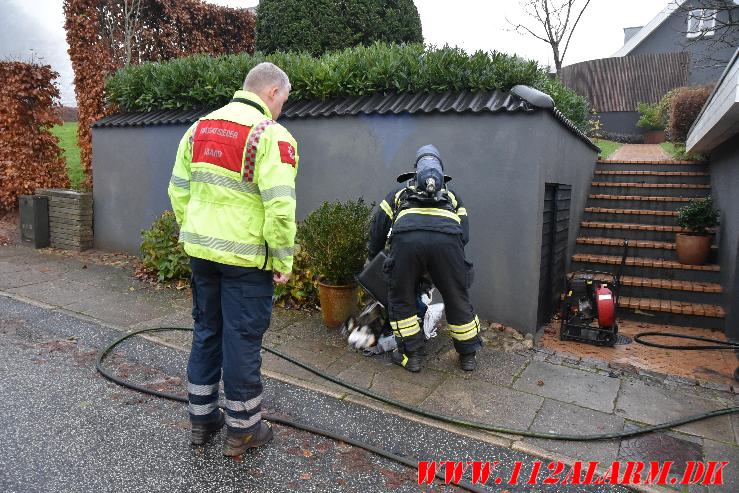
[426,227]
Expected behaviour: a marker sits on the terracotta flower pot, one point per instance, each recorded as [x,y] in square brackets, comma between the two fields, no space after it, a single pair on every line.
[654,137]
[337,303]
[692,249]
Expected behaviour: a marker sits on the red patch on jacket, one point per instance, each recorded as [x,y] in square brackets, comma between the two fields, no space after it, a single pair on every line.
[220,143]
[287,152]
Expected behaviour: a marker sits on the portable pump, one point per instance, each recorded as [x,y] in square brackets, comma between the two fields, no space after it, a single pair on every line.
[588,311]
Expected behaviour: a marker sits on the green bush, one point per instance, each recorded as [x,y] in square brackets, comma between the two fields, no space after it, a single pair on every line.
[335,239]
[203,81]
[685,106]
[327,25]
[302,288]
[650,116]
[698,216]
[163,255]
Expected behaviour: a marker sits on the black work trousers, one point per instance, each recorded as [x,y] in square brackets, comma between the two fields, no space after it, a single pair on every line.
[441,255]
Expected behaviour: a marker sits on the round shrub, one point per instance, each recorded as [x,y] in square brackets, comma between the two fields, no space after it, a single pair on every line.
[335,239]
[163,254]
[698,216]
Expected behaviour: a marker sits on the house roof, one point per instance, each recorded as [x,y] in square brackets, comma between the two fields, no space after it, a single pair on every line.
[649,28]
[718,120]
[521,99]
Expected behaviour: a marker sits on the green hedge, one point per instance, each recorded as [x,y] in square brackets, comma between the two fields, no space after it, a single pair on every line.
[319,26]
[206,81]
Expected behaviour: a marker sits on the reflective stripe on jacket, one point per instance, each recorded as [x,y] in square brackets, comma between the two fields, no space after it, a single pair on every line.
[233,187]
[391,213]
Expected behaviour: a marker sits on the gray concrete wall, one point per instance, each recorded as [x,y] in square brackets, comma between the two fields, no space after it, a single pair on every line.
[132,167]
[620,122]
[500,163]
[670,37]
[724,168]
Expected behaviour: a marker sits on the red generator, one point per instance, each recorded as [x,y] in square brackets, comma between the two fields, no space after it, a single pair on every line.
[590,304]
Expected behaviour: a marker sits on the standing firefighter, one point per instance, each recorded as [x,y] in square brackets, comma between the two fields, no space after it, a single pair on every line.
[428,229]
[233,192]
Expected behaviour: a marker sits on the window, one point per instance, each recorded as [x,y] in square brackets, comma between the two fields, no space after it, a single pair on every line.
[701,22]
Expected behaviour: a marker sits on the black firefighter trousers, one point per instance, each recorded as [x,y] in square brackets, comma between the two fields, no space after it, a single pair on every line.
[414,254]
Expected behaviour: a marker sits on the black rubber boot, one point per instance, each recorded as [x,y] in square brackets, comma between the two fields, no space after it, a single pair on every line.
[238,443]
[202,431]
[409,361]
[468,361]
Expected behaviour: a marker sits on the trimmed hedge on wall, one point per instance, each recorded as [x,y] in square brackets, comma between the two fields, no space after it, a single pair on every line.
[206,81]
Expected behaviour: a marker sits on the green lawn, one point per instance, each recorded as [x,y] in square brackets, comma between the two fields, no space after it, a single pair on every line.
[607,147]
[67,135]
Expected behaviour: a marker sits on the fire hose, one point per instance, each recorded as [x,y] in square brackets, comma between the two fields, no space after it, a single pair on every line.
[406,407]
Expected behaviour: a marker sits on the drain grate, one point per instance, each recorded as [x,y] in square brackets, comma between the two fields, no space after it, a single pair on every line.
[622,340]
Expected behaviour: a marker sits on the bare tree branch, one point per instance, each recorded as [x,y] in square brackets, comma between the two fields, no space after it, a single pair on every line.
[554,17]
[574,26]
[714,41]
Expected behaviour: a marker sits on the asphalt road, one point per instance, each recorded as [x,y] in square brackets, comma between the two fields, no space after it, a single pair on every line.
[65,428]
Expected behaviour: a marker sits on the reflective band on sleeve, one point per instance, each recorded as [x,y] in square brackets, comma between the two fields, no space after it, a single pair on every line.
[223,245]
[386,208]
[202,389]
[202,409]
[223,181]
[454,199]
[239,406]
[278,191]
[180,182]
[430,212]
[462,211]
[243,423]
[281,253]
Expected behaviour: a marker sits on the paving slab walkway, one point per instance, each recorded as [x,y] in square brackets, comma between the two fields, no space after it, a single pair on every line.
[639,152]
[533,389]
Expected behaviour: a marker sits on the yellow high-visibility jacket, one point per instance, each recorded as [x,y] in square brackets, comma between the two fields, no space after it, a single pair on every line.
[233,187]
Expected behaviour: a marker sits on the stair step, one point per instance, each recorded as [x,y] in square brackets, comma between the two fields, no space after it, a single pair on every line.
[643,262]
[646,267]
[672,306]
[641,198]
[642,216]
[594,240]
[628,231]
[686,186]
[664,250]
[672,289]
[691,190]
[672,177]
[669,284]
[633,226]
[657,166]
[639,212]
[655,203]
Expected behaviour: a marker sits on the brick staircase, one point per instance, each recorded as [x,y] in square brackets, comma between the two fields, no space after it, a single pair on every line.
[637,200]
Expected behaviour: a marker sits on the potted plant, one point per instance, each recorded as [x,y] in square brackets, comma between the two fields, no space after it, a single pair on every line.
[335,237]
[652,119]
[698,217]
